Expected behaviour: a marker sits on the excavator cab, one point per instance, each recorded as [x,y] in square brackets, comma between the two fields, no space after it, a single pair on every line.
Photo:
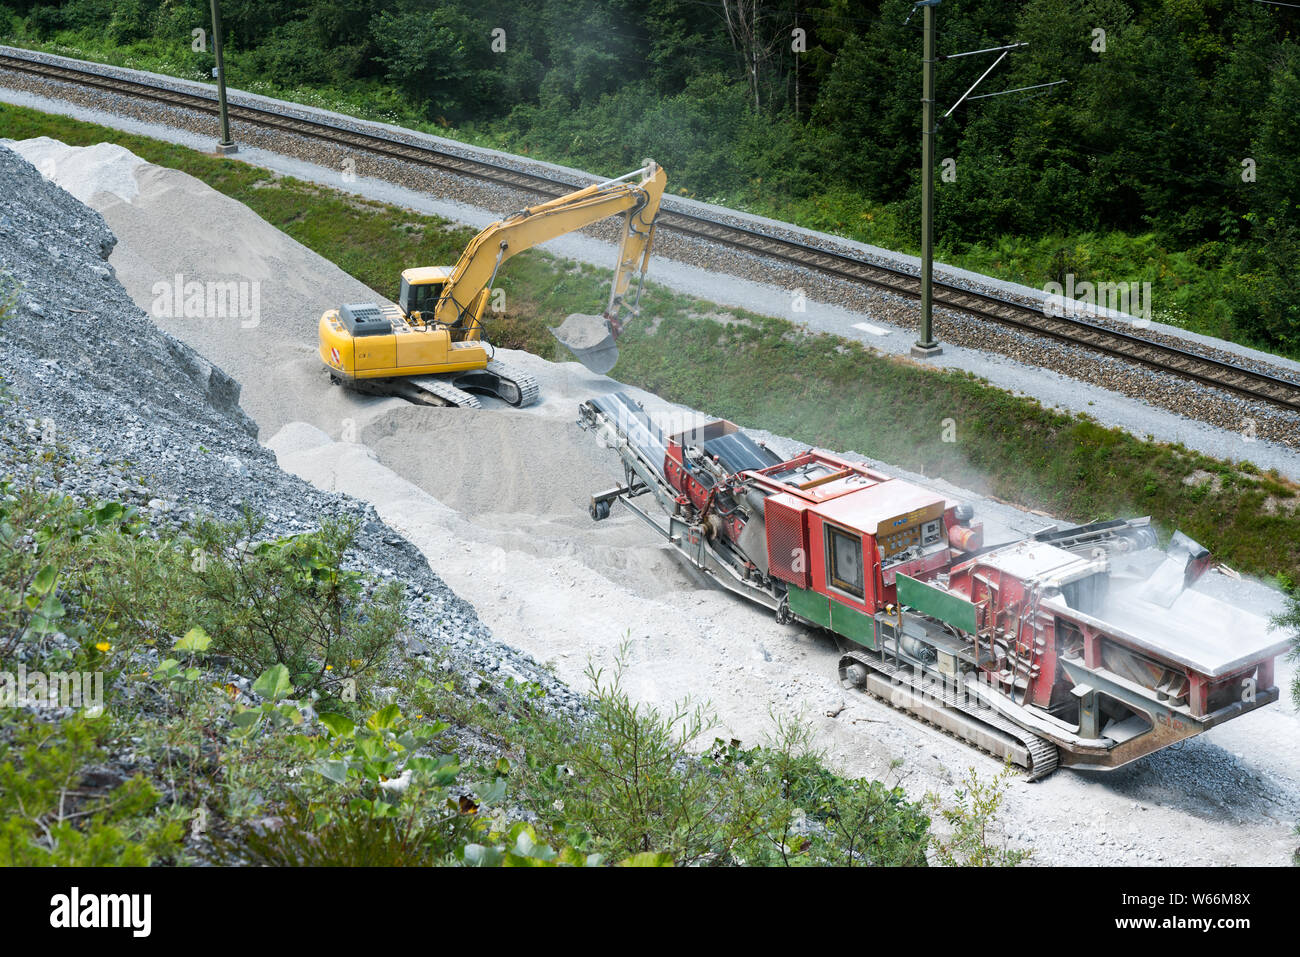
[423,288]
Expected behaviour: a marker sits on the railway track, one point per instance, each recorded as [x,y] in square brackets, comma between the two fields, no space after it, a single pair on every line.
[1072,330]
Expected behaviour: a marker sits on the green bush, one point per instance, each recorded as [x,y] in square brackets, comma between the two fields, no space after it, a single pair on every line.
[627,779]
[285,601]
[972,820]
[50,815]
[1289,619]
[856,822]
[344,834]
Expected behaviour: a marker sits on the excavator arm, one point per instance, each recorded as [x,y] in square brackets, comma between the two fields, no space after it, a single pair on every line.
[637,195]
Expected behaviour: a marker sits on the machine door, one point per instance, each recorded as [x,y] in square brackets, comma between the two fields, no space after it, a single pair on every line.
[844,564]
[420,297]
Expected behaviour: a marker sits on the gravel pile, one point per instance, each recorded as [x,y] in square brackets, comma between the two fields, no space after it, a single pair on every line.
[146,421]
[1172,393]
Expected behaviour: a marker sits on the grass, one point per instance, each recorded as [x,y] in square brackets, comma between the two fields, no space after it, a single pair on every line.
[766,373]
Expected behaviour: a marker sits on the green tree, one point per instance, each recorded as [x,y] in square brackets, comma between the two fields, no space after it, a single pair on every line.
[1269,307]
[440,57]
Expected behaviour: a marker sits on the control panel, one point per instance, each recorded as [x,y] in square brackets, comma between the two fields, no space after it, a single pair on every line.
[917,529]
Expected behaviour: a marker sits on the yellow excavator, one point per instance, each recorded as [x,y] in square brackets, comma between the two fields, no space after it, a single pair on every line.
[430,348]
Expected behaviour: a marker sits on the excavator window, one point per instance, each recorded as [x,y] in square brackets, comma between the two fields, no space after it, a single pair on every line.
[845,560]
[422,297]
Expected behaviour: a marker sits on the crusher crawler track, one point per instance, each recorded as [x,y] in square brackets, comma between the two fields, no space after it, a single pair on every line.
[940,705]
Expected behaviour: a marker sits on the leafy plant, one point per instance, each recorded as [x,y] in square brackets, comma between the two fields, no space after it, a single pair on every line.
[373,797]
[51,815]
[520,847]
[286,601]
[972,819]
[42,559]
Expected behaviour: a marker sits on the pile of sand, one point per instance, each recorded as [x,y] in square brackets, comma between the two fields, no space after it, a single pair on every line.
[104,169]
[579,331]
[494,461]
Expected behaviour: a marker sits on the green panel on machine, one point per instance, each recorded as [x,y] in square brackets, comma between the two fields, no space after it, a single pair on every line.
[929,600]
[853,624]
[810,605]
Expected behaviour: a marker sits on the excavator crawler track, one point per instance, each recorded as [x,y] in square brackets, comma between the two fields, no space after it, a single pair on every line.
[499,379]
[516,386]
[941,707]
[434,390]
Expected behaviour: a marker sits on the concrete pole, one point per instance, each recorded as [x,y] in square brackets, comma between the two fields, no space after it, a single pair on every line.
[226,145]
[926,345]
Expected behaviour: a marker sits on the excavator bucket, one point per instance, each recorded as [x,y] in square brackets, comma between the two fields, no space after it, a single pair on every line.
[590,339]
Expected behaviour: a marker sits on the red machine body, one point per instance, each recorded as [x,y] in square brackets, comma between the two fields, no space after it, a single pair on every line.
[833,526]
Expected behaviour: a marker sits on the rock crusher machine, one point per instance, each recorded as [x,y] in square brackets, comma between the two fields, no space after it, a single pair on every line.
[1083,647]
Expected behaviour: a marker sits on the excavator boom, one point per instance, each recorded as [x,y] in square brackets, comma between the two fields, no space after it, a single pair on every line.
[591,338]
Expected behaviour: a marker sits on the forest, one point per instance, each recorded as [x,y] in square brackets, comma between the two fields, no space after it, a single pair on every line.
[1168,154]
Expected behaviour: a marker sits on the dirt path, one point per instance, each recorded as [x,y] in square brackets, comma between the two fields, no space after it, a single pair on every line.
[497,501]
